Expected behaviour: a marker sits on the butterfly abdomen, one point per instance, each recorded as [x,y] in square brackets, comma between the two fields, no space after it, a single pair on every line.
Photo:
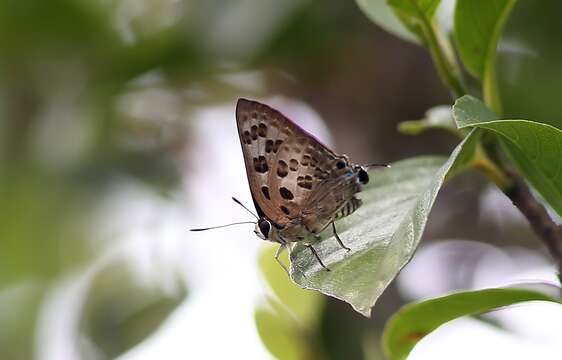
[348,208]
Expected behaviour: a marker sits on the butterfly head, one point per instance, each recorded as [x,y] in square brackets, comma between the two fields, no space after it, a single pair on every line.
[362,175]
[264,229]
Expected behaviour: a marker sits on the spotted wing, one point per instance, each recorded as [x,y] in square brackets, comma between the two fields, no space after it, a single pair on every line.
[288,170]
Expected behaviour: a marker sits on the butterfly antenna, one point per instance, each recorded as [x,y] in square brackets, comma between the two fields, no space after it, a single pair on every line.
[221,226]
[248,210]
[377,165]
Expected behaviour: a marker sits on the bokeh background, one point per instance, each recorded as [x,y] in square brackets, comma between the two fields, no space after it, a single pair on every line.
[117,135]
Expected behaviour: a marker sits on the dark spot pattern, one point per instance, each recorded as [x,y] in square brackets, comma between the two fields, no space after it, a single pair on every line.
[340,164]
[305,182]
[265,191]
[305,160]
[276,145]
[293,164]
[247,138]
[282,169]
[260,165]
[254,132]
[268,146]
[286,193]
[320,174]
[284,209]
[262,130]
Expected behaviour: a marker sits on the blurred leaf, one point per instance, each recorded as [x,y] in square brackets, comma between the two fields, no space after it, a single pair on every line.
[381,14]
[286,327]
[19,308]
[35,226]
[121,312]
[382,234]
[528,62]
[305,305]
[478,25]
[58,26]
[415,8]
[414,321]
[277,332]
[416,15]
[535,148]
[438,117]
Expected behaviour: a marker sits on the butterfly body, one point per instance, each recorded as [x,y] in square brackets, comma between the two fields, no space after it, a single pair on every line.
[298,185]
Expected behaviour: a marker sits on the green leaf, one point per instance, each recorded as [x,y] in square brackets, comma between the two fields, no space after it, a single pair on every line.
[468,111]
[414,321]
[304,305]
[121,311]
[285,326]
[416,15]
[438,117]
[415,8]
[382,234]
[528,62]
[277,332]
[535,148]
[477,28]
[381,14]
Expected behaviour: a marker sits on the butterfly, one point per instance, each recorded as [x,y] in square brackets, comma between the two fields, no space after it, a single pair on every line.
[298,185]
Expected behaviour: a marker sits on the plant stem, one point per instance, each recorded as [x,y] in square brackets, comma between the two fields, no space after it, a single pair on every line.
[446,65]
[487,167]
[539,219]
[515,188]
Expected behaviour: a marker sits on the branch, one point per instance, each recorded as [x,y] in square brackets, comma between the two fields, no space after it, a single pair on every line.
[538,217]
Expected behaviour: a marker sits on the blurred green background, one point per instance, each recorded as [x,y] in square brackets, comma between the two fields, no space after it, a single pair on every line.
[98,102]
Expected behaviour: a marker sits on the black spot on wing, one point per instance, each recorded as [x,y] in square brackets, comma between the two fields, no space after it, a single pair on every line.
[262,130]
[293,165]
[286,193]
[265,192]
[254,132]
[282,168]
[305,182]
[260,165]
[268,146]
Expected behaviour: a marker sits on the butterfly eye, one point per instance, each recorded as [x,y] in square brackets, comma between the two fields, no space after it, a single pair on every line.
[363,176]
[265,227]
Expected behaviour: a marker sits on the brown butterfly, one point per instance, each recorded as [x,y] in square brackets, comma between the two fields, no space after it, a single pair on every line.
[299,187]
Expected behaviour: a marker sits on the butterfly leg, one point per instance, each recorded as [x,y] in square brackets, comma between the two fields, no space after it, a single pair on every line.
[277,254]
[338,238]
[316,256]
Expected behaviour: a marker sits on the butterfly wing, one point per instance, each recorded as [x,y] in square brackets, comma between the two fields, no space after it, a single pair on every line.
[324,204]
[293,177]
